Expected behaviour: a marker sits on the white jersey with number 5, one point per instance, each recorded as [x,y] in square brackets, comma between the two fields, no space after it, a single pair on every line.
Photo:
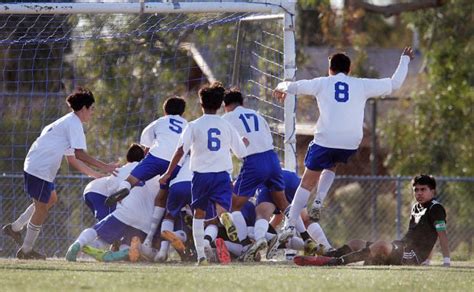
[162,136]
[341,101]
[210,139]
[253,126]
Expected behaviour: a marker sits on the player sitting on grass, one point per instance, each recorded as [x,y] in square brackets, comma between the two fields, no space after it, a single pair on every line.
[341,101]
[97,191]
[210,139]
[427,224]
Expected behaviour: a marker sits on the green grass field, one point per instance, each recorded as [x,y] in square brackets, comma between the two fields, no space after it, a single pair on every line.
[59,275]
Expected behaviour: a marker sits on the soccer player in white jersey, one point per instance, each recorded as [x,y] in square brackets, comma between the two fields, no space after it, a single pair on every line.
[210,139]
[341,100]
[44,159]
[160,139]
[261,166]
[97,191]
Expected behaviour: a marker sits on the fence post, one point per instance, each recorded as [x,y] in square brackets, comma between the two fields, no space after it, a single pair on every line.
[399,206]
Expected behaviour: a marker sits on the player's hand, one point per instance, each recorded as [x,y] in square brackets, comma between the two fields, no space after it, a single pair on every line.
[408,51]
[246,141]
[112,168]
[164,178]
[279,95]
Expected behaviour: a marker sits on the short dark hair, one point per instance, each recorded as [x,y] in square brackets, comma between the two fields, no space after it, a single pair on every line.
[135,153]
[212,95]
[174,105]
[79,98]
[426,180]
[232,96]
[340,63]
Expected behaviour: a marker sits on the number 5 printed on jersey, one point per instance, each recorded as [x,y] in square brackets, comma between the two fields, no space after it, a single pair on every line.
[341,91]
[176,126]
[213,143]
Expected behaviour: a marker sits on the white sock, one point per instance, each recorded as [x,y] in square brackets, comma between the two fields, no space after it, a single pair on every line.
[317,233]
[181,235]
[234,248]
[325,181]
[260,229]
[211,231]
[300,225]
[158,213]
[295,243]
[250,232]
[32,232]
[167,225]
[269,236]
[297,205]
[87,236]
[125,185]
[240,224]
[198,235]
[23,219]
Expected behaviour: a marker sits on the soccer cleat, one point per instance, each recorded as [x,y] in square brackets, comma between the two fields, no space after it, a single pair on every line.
[115,256]
[314,212]
[73,251]
[223,254]
[134,250]
[116,197]
[147,252]
[15,235]
[314,261]
[229,226]
[175,242]
[250,254]
[311,247]
[280,239]
[96,253]
[32,255]
[202,262]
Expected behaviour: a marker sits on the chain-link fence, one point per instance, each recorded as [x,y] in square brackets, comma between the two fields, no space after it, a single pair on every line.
[357,207]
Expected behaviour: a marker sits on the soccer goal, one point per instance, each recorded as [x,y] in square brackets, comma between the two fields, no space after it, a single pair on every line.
[132,56]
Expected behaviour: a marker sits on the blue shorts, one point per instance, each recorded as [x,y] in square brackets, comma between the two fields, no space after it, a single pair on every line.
[178,197]
[292,181]
[152,166]
[257,170]
[212,187]
[96,202]
[38,188]
[111,229]
[318,157]
[248,211]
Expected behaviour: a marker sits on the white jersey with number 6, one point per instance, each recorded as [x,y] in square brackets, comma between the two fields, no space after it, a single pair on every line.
[162,135]
[210,139]
[251,125]
[341,101]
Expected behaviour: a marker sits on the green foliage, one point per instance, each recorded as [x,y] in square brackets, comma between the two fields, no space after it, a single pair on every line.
[437,137]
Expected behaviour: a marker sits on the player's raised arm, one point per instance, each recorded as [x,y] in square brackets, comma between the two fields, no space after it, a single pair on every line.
[401,72]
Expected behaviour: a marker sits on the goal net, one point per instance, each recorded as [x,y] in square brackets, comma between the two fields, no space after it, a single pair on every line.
[132,60]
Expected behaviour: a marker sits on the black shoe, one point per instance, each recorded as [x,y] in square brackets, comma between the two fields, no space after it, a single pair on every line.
[117,196]
[7,230]
[32,255]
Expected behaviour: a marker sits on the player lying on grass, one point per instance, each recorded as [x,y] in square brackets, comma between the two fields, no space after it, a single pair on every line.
[427,224]
[98,190]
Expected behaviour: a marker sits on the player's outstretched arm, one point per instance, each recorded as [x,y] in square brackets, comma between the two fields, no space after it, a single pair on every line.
[401,72]
[178,154]
[82,167]
[83,156]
